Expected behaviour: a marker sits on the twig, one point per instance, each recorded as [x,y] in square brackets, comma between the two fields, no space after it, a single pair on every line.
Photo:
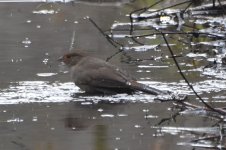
[187,7]
[188,83]
[110,57]
[110,40]
[173,117]
[131,19]
[142,18]
[221,6]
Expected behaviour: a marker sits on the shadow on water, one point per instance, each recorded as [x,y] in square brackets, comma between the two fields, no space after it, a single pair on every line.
[38,106]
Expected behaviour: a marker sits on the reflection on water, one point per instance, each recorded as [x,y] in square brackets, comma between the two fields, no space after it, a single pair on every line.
[41,108]
[177,130]
[37,91]
[185,133]
[100,136]
[74,123]
[43,91]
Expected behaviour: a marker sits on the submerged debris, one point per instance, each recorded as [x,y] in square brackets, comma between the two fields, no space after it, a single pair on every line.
[200,32]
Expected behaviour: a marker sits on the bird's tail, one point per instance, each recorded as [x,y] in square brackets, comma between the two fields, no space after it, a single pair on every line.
[147,89]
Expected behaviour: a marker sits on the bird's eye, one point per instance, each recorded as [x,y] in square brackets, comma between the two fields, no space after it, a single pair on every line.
[67,56]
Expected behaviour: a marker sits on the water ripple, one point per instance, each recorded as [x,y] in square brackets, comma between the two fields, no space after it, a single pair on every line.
[43,91]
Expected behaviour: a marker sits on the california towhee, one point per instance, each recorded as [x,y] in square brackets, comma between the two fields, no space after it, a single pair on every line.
[94,75]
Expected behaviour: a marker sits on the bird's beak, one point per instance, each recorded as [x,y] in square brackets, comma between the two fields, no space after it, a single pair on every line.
[60,59]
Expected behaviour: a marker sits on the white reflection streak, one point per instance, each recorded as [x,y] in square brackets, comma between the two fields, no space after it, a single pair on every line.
[176,130]
[43,91]
[72,41]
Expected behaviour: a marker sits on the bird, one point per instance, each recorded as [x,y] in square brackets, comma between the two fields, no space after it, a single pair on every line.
[97,76]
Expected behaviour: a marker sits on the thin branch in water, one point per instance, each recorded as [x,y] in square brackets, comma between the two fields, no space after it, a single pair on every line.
[186,80]
[143,18]
[195,34]
[131,20]
[105,35]
[173,117]
[187,7]
[110,57]
[222,7]
[110,40]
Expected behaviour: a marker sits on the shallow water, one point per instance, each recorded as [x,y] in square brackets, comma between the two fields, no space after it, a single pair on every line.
[38,106]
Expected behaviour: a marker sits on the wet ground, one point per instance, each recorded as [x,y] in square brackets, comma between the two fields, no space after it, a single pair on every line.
[38,111]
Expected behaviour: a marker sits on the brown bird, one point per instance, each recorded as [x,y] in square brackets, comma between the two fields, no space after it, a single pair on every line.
[96,76]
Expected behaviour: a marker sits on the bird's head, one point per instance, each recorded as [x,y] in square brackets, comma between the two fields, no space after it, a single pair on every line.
[71,59]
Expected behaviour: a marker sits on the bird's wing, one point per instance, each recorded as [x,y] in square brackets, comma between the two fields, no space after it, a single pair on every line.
[104,77]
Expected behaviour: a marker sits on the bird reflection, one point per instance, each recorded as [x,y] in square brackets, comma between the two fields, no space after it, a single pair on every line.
[74,123]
